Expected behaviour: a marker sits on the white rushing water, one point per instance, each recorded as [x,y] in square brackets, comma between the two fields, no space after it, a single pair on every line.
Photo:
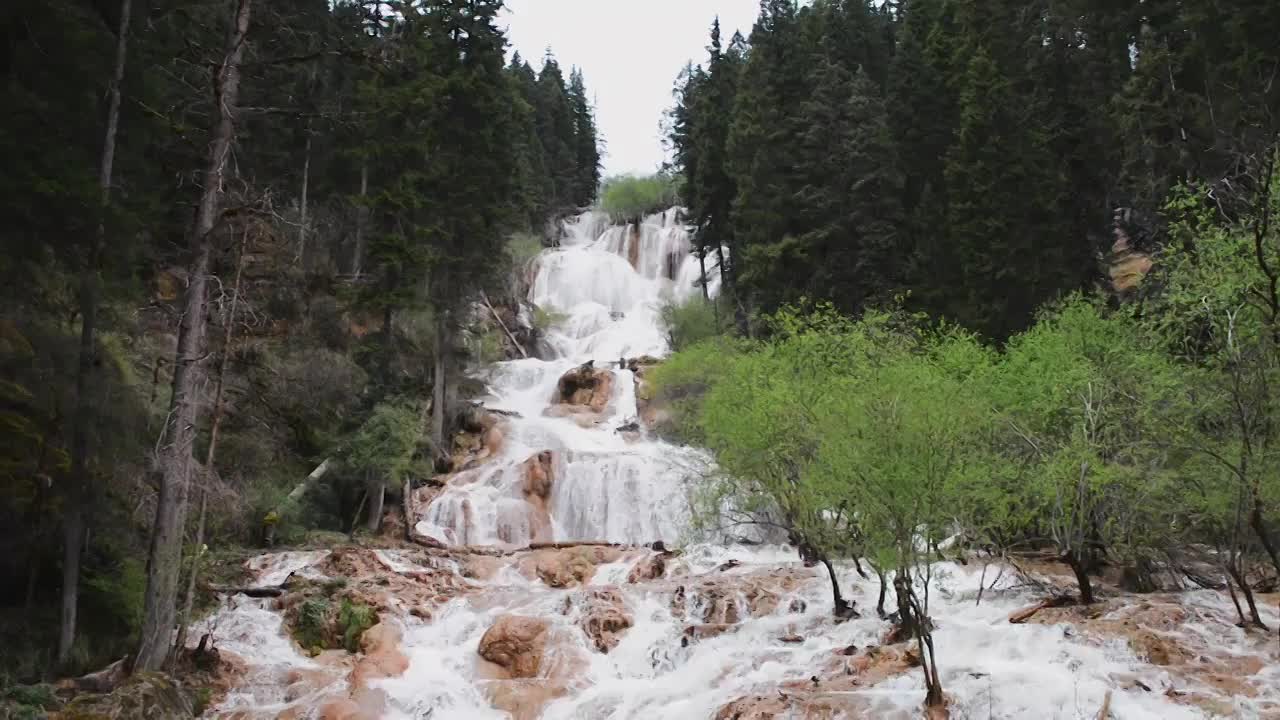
[607,284]
[607,291]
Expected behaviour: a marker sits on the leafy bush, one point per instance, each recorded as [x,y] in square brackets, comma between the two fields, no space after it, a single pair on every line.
[628,199]
[691,322]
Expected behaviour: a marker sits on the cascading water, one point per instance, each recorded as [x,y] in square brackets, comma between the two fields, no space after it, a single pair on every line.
[607,292]
[717,624]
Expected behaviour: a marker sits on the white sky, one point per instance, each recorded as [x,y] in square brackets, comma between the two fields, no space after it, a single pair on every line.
[631,52]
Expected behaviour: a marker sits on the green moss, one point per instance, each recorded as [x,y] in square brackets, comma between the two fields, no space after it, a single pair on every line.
[355,618]
[311,628]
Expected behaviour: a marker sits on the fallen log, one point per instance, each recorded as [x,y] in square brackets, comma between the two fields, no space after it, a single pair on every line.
[1027,613]
[568,545]
[253,592]
[512,338]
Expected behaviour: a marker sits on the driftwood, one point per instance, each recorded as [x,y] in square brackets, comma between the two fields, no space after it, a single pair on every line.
[1027,613]
[505,329]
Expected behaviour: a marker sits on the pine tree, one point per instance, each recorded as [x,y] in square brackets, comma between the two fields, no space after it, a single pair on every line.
[585,142]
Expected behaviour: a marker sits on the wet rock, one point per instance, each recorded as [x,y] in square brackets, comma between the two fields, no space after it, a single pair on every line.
[705,631]
[561,568]
[604,617]
[516,644]
[480,438]
[382,658]
[652,567]
[539,478]
[523,699]
[585,386]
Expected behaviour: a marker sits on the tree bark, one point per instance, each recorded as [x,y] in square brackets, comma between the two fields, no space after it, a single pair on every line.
[840,607]
[302,202]
[174,461]
[228,346]
[73,530]
[377,497]
[362,215]
[1082,577]
[438,387]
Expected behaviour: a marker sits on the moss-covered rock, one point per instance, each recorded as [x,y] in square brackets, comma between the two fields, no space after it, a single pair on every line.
[146,696]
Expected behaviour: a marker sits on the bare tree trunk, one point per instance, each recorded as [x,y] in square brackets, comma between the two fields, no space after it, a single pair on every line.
[362,215]
[377,497]
[228,347]
[438,388]
[1082,577]
[306,181]
[840,607]
[73,527]
[406,504]
[174,460]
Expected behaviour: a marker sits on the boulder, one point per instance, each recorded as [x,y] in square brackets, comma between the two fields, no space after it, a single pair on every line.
[652,567]
[604,617]
[585,386]
[380,645]
[523,699]
[567,567]
[515,644]
[539,477]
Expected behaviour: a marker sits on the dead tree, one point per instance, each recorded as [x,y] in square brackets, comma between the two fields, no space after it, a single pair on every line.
[174,460]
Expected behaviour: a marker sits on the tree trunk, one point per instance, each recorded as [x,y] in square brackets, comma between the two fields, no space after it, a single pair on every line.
[880,600]
[362,215]
[377,497]
[438,388]
[188,601]
[840,607]
[174,460]
[406,504]
[197,553]
[1082,577]
[73,530]
[302,201]
[1259,527]
[1238,575]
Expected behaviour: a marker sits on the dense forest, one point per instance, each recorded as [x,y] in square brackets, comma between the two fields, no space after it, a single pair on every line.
[241,238]
[999,277]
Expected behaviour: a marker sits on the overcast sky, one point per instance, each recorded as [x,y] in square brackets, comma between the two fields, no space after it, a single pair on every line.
[631,52]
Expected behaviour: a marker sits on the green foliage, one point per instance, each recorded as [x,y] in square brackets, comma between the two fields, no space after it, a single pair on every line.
[384,446]
[311,629]
[35,697]
[628,199]
[692,321]
[354,619]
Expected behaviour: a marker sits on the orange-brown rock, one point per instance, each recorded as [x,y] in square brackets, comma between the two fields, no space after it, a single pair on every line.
[651,567]
[523,699]
[382,658]
[516,644]
[344,709]
[585,386]
[560,568]
[604,617]
[539,477]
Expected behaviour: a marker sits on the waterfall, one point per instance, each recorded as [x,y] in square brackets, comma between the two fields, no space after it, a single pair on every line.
[606,286]
[718,630]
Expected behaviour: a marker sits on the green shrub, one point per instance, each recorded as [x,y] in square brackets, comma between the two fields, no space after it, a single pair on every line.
[628,198]
[34,696]
[691,322]
[355,618]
